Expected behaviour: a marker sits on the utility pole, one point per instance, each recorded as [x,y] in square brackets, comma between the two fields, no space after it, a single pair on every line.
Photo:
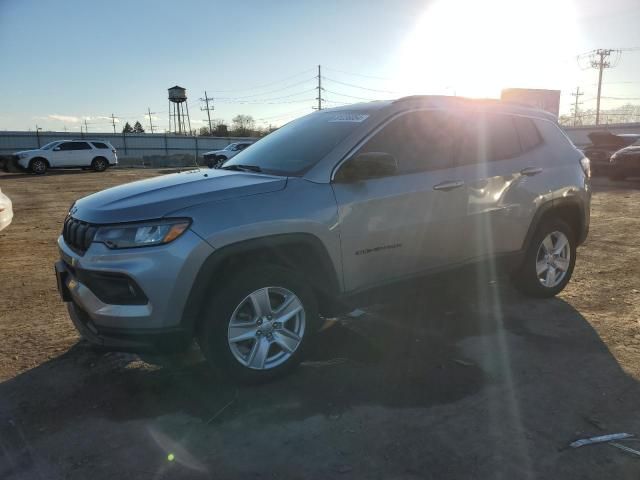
[578,94]
[150,122]
[319,88]
[600,60]
[86,130]
[208,109]
[113,122]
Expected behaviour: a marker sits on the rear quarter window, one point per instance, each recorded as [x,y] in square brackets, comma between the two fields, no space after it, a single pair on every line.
[527,133]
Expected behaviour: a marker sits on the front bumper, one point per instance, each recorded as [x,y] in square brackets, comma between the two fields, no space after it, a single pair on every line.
[165,274]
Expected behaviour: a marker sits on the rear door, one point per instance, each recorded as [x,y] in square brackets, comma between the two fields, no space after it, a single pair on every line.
[400,225]
[499,161]
[82,154]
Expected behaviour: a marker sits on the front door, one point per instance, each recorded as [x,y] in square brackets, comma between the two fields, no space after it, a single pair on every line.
[400,225]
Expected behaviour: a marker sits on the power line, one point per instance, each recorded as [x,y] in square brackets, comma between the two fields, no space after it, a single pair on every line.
[264,100]
[357,86]
[350,96]
[357,74]
[266,84]
[270,91]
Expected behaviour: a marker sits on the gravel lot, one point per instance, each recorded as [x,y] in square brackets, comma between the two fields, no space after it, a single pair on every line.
[464,380]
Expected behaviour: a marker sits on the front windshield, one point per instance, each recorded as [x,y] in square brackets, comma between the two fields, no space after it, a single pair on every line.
[300,144]
[49,146]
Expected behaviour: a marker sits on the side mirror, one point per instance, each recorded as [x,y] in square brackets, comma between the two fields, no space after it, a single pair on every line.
[367,165]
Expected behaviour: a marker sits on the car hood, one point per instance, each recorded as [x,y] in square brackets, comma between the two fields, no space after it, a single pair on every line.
[629,150]
[30,152]
[213,152]
[159,196]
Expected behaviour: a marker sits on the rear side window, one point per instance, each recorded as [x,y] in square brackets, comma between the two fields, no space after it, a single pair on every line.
[502,137]
[487,138]
[418,140]
[100,145]
[527,133]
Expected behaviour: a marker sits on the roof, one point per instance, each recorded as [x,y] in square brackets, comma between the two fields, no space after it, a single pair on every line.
[442,101]
[178,87]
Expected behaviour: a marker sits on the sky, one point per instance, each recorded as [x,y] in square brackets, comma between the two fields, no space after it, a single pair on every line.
[68,61]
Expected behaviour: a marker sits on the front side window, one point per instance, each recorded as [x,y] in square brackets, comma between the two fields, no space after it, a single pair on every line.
[80,146]
[65,146]
[49,146]
[419,141]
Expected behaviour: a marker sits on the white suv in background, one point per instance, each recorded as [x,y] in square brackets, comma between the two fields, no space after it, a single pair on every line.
[98,155]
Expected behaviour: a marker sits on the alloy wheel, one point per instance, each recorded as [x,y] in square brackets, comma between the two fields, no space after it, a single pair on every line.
[266,328]
[553,259]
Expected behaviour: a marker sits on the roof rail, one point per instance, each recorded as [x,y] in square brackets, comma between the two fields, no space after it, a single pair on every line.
[449,98]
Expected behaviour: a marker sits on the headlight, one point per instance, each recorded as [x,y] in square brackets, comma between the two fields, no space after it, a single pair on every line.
[23,155]
[144,234]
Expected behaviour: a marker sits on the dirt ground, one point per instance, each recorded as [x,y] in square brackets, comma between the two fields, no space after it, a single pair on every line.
[466,380]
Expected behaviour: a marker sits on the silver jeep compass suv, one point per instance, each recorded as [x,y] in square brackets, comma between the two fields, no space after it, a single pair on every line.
[247,258]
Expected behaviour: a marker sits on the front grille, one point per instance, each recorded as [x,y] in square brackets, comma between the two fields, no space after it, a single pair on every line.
[77,234]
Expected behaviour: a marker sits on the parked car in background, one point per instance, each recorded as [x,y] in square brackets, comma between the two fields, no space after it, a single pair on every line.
[95,154]
[216,158]
[625,162]
[603,145]
[246,259]
[6,210]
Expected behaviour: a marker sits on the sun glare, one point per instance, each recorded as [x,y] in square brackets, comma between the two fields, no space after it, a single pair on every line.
[476,48]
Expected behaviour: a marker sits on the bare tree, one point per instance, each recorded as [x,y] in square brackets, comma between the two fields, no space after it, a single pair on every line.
[243,125]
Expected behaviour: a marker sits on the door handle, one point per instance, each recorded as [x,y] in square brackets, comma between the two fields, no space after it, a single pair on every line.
[530,171]
[446,186]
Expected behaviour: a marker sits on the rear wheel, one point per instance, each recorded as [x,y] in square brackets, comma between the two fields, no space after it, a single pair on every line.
[256,328]
[549,261]
[38,166]
[99,164]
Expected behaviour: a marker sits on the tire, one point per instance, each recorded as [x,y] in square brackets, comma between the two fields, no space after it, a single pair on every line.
[258,354]
[38,166]
[100,164]
[542,276]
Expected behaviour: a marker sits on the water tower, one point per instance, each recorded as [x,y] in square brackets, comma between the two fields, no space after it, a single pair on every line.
[179,111]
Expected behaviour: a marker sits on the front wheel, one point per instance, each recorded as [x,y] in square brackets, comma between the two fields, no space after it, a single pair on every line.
[256,328]
[549,261]
[38,166]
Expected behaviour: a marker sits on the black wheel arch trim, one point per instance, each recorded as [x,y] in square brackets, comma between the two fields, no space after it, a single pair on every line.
[325,283]
[556,204]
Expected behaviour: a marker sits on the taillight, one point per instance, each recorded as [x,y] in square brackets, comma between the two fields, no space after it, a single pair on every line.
[585,163]
[113,150]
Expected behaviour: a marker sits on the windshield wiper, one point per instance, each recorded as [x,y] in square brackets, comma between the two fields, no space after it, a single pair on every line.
[243,168]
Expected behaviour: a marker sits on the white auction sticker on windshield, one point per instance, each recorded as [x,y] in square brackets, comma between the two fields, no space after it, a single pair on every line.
[349,117]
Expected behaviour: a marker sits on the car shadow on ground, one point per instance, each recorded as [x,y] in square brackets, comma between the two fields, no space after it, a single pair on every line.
[55,172]
[472,353]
